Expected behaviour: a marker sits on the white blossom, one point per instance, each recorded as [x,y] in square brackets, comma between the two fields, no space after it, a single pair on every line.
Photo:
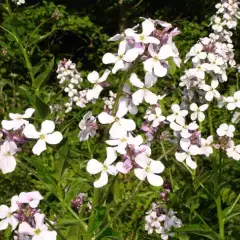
[46,135]
[225,130]
[198,112]
[105,168]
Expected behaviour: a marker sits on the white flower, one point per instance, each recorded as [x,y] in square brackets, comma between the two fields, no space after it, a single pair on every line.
[215,63]
[197,52]
[6,214]
[178,114]
[206,147]
[189,150]
[144,92]
[40,232]
[154,64]
[88,126]
[120,144]
[233,151]
[225,130]
[126,101]
[19,2]
[198,111]
[7,160]
[94,78]
[123,56]
[211,90]
[183,128]
[156,118]
[32,198]
[46,135]
[105,168]
[18,120]
[148,168]
[120,125]
[144,37]
[218,25]
[233,102]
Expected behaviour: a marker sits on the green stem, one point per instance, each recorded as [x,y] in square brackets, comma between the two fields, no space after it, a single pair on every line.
[119,212]
[24,53]
[220,215]
[210,120]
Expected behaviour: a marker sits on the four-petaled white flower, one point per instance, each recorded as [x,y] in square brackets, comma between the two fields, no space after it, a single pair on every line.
[197,53]
[153,64]
[46,135]
[225,130]
[7,215]
[144,37]
[120,144]
[198,111]
[40,232]
[148,168]
[233,102]
[120,126]
[233,151]
[183,128]
[178,114]
[32,198]
[94,78]
[105,168]
[206,146]
[157,117]
[144,92]
[18,120]
[211,91]
[124,55]
[189,150]
[7,160]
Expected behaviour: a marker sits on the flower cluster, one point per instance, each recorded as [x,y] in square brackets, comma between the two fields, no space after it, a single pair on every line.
[153,47]
[18,130]
[24,217]
[161,221]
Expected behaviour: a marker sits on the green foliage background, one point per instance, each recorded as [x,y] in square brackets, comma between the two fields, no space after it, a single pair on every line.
[79,30]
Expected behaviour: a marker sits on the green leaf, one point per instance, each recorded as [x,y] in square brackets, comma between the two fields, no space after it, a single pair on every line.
[42,108]
[61,158]
[68,222]
[97,218]
[199,230]
[41,78]
[110,233]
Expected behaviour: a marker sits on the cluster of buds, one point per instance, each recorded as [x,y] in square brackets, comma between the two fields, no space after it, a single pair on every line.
[167,190]
[70,80]
[25,218]
[18,131]
[161,221]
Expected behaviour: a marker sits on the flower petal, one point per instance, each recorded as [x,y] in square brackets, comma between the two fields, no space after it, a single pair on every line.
[150,97]
[150,79]
[159,70]
[39,147]
[103,180]
[111,156]
[156,166]
[54,138]
[191,163]
[140,173]
[105,118]
[94,166]
[7,164]
[135,81]
[30,132]
[117,130]
[4,211]
[3,224]
[28,113]
[128,124]
[154,180]
[109,58]
[47,127]
[131,55]
[25,228]
[93,77]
